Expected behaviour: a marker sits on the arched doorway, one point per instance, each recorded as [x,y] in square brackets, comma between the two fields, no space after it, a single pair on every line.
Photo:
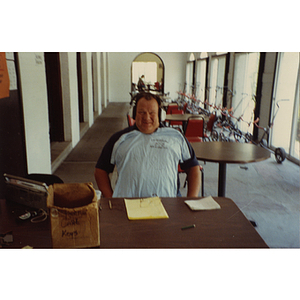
[152,67]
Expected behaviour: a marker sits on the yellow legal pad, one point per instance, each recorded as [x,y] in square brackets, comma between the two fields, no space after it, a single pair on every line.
[145,208]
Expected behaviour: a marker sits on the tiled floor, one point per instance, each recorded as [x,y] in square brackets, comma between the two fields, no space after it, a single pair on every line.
[266,192]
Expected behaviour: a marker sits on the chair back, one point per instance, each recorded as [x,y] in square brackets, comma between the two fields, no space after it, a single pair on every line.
[195,127]
[211,122]
[176,111]
[130,121]
[185,106]
[170,107]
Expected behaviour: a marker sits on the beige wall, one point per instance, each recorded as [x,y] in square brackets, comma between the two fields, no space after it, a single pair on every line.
[120,73]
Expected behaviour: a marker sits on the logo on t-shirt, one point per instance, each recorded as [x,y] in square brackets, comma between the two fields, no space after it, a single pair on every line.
[158,143]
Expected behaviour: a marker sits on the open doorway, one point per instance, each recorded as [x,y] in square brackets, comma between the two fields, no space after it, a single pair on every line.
[54,92]
[150,68]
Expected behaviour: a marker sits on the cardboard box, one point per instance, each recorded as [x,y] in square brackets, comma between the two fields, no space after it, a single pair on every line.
[74,215]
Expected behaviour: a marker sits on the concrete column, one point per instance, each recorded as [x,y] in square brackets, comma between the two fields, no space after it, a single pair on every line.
[35,108]
[70,96]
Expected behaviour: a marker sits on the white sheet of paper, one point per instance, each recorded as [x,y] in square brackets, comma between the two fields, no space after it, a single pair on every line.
[203,204]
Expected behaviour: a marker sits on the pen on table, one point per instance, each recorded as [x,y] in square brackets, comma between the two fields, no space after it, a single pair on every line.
[187,227]
[109,204]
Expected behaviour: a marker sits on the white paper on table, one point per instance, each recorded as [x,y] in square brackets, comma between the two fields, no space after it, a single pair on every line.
[203,204]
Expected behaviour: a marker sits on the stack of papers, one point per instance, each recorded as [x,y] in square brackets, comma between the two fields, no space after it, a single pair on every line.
[145,208]
[203,204]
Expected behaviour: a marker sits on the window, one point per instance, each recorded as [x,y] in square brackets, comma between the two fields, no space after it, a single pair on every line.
[244,88]
[216,84]
[285,132]
[200,80]
[295,140]
[189,79]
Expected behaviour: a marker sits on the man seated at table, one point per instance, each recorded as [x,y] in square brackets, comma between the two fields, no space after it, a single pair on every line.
[146,156]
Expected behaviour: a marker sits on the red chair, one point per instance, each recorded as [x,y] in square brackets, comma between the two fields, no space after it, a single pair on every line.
[209,132]
[202,178]
[211,122]
[170,107]
[130,121]
[194,131]
[176,111]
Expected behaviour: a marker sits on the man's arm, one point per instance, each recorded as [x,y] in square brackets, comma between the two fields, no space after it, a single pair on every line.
[194,179]
[103,183]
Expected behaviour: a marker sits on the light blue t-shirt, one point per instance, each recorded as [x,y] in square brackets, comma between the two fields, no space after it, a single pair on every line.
[147,164]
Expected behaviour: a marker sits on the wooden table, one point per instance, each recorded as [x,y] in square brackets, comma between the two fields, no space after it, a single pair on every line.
[36,235]
[223,228]
[182,118]
[228,152]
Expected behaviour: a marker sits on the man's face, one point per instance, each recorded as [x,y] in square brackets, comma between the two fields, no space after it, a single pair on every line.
[146,117]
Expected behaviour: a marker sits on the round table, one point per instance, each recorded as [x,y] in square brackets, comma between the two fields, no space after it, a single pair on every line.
[228,152]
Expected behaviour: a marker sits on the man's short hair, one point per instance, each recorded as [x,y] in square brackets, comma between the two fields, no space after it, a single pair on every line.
[147,96]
